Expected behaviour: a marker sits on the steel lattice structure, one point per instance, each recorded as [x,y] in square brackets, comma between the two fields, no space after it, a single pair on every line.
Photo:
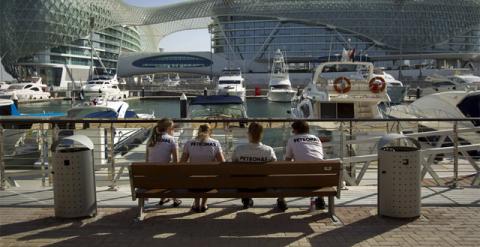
[29,26]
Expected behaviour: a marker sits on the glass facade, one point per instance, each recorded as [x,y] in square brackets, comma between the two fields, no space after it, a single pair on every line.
[173,61]
[243,29]
[257,38]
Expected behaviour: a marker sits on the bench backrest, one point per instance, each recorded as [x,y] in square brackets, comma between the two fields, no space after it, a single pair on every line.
[236,175]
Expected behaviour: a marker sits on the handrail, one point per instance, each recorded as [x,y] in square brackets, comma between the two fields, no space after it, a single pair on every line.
[10,120]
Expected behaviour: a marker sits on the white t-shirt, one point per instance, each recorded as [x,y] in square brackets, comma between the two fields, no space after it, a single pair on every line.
[304,147]
[205,151]
[162,151]
[254,152]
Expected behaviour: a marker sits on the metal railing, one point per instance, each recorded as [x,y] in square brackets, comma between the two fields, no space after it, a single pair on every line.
[450,147]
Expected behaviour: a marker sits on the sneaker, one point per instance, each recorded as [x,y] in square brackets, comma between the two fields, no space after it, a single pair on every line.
[282,205]
[203,209]
[195,209]
[319,203]
[247,203]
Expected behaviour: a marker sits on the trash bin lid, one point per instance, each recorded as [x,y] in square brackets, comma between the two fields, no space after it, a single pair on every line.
[75,139]
[387,139]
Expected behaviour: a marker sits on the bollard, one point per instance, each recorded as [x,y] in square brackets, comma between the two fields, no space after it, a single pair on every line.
[143,92]
[258,91]
[183,106]
[205,92]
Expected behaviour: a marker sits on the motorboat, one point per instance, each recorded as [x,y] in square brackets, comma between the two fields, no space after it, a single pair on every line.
[25,92]
[105,86]
[124,138]
[445,105]
[217,107]
[438,84]
[472,81]
[172,83]
[342,90]
[20,146]
[232,83]
[395,88]
[279,86]
[4,86]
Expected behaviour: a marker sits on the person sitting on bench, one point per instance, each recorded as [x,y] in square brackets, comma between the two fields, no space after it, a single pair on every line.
[202,149]
[254,152]
[303,146]
[162,148]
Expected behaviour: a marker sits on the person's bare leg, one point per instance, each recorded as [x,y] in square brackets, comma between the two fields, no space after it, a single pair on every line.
[204,205]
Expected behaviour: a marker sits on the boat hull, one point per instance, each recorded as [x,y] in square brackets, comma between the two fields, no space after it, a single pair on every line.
[280,96]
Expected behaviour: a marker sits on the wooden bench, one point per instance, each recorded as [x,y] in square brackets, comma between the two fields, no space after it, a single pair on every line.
[279,179]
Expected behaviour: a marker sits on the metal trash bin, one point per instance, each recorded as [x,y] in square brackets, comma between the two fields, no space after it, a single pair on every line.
[74,190]
[399,177]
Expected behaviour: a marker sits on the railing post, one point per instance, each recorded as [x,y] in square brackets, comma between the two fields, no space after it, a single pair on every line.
[3,179]
[55,131]
[455,155]
[43,151]
[111,172]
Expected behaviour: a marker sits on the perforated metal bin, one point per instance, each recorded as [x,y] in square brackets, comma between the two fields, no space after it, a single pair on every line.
[74,178]
[399,177]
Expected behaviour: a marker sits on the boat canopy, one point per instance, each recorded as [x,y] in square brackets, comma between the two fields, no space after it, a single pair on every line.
[216,100]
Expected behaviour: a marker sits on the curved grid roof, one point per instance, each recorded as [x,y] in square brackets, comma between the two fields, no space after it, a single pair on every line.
[29,26]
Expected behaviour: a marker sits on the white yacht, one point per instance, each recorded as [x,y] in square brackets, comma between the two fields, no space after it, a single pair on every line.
[452,104]
[470,80]
[26,91]
[342,90]
[395,88]
[4,86]
[232,83]
[279,86]
[104,86]
[172,83]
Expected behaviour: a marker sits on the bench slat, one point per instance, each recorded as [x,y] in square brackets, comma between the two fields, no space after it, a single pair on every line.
[154,169]
[232,193]
[184,181]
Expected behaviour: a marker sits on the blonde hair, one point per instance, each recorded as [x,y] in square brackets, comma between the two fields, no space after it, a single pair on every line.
[162,126]
[204,131]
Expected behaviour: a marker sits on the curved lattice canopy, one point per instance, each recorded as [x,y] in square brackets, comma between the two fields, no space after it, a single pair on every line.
[29,26]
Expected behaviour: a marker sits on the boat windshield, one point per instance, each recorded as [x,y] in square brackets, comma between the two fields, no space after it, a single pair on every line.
[95,82]
[227,111]
[15,87]
[470,107]
[280,87]
[229,82]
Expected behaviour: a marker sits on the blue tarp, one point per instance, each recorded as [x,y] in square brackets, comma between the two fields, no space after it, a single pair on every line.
[102,114]
[216,100]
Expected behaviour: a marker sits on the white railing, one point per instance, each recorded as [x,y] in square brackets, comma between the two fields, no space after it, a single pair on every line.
[353,141]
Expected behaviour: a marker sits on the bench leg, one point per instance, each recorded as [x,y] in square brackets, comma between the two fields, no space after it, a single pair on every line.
[141,209]
[331,209]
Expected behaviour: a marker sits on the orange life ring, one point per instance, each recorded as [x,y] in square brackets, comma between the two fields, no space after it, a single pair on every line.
[340,86]
[376,87]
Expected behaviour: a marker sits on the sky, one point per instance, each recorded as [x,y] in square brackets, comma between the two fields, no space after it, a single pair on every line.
[177,42]
[181,41]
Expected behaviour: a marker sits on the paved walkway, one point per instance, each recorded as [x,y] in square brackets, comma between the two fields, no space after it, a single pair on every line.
[229,226]
[450,217]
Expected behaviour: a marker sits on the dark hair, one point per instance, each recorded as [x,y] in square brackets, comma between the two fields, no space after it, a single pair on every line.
[204,131]
[300,127]
[256,131]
